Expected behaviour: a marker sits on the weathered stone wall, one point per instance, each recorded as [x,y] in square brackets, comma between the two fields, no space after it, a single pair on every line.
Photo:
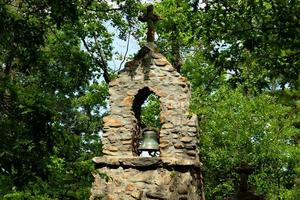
[175,174]
[125,183]
[178,134]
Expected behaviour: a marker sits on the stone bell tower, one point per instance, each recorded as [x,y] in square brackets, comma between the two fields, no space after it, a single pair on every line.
[174,174]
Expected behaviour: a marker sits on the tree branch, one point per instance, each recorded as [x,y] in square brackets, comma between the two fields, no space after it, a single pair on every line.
[288,57]
[85,45]
[212,80]
[105,10]
[104,65]
[127,48]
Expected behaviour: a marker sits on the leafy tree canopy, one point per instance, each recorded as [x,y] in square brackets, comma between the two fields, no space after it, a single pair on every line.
[242,58]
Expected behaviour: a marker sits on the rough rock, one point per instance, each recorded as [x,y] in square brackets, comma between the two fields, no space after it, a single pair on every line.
[132,177]
[186,139]
[156,195]
[127,101]
[109,121]
[179,146]
[161,62]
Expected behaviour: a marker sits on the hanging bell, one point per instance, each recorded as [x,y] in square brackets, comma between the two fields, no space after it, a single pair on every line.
[149,142]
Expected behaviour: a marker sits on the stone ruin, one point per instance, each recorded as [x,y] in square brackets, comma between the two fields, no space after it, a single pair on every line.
[175,173]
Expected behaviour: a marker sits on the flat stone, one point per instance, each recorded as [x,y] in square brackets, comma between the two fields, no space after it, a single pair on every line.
[182,84]
[131,92]
[110,197]
[156,195]
[110,153]
[112,148]
[103,159]
[130,187]
[112,122]
[192,134]
[175,136]
[161,93]
[164,133]
[113,83]
[192,129]
[179,146]
[137,194]
[164,140]
[170,69]
[190,146]
[183,79]
[191,153]
[165,145]
[161,62]
[162,119]
[157,55]
[127,101]
[120,160]
[168,125]
[162,78]
[186,139]
[127,142]
[144,161]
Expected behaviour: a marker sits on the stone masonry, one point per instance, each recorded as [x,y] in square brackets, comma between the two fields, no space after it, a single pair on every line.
[175,174]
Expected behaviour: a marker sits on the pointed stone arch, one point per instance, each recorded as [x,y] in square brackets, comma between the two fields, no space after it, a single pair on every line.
[178,133]
[139,99]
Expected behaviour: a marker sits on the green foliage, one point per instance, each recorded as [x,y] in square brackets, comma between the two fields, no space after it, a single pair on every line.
[256,40]
[66,180]
[236,128]
[242,58]
[176,36]
[150,112]
[23,196]
[52,97]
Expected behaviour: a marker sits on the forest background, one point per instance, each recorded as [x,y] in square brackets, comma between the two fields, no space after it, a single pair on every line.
[241,57]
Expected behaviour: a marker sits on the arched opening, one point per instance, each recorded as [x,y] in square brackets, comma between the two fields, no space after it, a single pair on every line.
[150,112]
[146,108]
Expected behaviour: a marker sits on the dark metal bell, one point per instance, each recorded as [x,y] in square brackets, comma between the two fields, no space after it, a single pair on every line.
[149,142]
